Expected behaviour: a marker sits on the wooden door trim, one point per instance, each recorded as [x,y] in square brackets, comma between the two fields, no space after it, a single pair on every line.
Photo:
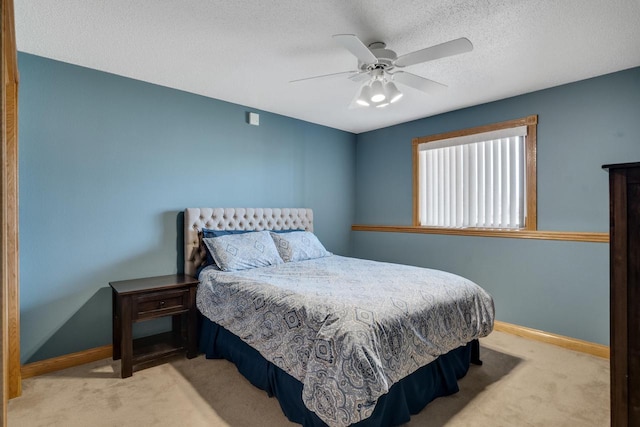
[9,261]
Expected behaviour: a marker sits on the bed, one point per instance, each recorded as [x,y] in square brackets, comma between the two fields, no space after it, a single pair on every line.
[338,341]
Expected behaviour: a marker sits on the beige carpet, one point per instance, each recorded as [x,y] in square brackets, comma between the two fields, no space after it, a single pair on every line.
[522,383]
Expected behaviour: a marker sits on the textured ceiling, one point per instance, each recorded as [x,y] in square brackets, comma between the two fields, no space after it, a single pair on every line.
[246,52]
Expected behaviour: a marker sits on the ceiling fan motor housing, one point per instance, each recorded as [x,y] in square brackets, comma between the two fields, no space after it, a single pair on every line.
[385,58]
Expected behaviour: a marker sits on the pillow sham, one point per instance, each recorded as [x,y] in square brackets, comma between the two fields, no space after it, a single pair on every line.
[299,246]
[206,234]
[201,256]
[243,251]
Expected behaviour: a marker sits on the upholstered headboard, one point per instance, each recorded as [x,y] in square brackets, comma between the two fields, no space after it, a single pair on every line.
[257,219]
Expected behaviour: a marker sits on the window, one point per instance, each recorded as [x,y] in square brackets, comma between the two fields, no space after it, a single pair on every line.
[483,177]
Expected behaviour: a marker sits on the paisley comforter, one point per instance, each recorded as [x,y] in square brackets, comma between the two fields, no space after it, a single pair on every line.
[346,328]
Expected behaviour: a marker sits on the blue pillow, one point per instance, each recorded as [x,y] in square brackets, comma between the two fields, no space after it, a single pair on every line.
[217,233]
[207,233]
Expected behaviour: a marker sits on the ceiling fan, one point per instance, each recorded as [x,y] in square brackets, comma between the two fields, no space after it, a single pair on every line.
[378,66]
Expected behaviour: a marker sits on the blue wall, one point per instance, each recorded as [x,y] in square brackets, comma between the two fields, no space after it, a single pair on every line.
[107,164]
[560,287]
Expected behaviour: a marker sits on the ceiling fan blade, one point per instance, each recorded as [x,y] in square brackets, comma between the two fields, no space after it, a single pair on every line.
[354,45]
[417,82]
[360,77]
[323,76]
[450,48]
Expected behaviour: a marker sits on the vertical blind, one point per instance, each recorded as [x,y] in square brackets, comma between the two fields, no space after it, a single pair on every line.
[474,181]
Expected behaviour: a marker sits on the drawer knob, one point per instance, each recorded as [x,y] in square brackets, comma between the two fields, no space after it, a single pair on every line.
[161,304]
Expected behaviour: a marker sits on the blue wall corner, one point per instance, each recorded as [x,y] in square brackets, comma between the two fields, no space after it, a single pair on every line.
[107,165]
[559,287]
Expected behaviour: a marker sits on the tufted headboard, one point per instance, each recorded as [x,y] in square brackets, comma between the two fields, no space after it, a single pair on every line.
[257,219]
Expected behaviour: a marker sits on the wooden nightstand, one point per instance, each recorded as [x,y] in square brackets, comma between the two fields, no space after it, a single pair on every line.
[150,298]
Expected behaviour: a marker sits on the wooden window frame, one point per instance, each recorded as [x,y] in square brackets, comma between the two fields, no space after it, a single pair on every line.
[531,220]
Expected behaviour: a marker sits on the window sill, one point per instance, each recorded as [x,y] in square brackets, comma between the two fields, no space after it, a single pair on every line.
[574,236]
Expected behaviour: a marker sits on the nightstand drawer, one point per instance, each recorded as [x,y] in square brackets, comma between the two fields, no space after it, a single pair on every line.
[147,306]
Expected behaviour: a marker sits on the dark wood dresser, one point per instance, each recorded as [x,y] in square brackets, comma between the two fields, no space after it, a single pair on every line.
[624,205]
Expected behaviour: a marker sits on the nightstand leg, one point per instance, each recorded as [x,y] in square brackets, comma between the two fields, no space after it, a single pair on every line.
[126,338]
[116,328]
[192,326]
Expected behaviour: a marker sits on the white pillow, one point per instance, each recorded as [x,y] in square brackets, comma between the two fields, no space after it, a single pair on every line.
[299,246]
[243,251]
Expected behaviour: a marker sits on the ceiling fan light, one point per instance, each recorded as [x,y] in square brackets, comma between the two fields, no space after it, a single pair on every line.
[377,92]
[364,97]
[393,94]
[382,104]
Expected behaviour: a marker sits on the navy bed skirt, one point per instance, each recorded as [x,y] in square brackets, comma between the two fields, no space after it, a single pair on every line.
[409,396]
